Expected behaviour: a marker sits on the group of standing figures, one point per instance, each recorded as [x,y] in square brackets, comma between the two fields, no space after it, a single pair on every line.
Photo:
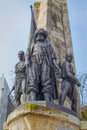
[36,73]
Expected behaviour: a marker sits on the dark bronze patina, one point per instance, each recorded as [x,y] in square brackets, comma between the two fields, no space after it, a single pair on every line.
[68,83]
[41,62]
[20,78]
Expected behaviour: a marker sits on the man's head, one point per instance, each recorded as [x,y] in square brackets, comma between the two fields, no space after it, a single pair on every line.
[21,55]
[40,34]
[69,57]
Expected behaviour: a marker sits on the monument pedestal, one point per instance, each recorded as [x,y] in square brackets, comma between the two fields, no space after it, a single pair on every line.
[39,116]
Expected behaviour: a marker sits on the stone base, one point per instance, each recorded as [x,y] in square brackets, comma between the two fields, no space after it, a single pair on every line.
[41,116]
[5,126]
[84,125]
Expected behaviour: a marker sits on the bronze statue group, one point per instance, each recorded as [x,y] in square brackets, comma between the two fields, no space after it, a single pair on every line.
[35,74]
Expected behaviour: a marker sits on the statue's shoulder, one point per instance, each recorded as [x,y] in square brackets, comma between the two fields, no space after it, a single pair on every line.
[66,63]
[17,65]
[47,43]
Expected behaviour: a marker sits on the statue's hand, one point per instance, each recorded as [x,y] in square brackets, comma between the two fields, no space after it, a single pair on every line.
[60,64]
[55,63]
[78,84]
[57,74]
[56,67]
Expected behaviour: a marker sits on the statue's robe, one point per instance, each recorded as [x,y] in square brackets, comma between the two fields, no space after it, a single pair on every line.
[50,56]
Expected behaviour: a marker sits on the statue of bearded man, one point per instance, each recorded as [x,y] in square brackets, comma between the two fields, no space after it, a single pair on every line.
[41,62]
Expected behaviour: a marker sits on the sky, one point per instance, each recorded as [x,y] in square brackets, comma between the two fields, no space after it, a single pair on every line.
[14,32]
[78,24]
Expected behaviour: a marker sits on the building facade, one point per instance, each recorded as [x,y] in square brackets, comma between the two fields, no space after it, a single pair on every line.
[6,103]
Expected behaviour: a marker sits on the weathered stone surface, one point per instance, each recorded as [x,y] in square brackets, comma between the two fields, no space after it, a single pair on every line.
[38,117]
[50,18]
[36,10]
[5,126]
[84,125]
[64,128]
[43,9]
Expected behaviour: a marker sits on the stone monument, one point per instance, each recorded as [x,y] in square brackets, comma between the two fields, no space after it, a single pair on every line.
[52,15]
[39,111]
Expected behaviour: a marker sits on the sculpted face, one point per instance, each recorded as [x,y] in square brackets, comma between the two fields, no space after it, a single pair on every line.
[21,55]
[69,58]
[40,37]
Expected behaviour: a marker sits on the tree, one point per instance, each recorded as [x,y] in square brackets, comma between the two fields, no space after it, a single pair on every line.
[83,88]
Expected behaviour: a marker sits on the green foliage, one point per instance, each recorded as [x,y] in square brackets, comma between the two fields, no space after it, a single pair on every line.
[84,113]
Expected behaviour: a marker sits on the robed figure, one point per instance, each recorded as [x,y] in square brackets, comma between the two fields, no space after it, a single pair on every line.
[41,63]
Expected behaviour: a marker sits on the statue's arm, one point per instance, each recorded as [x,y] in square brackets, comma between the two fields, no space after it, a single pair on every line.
[16,70]
[52,52]
[70,75]
[27,57]
[54,57]
[55,62]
